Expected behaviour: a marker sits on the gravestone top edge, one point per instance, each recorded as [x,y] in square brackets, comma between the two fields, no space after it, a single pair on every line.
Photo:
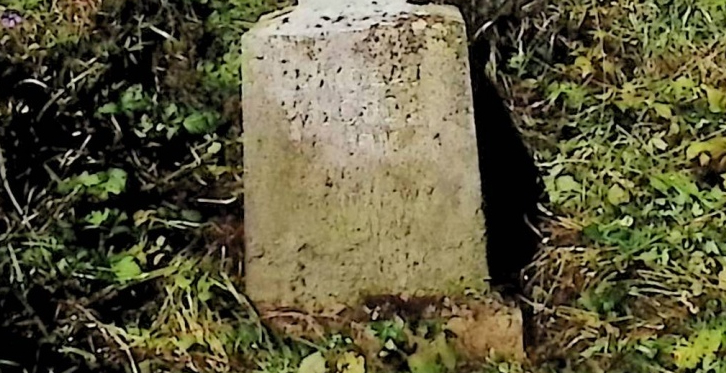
[347,3]
[317,18]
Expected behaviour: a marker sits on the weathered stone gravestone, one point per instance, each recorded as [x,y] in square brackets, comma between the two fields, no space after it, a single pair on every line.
[360,155]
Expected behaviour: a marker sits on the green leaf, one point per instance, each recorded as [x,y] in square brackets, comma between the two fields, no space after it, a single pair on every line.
[99,184]
[697,210]
[200,123]
[181,281]
[419,363]
[203,286]
[87,179]
[715,147]
[133,99]
[110,108]
[716,99]
[185,342]
[658,184]
[116,183]
[96,218]
[171,110]
[659,143]
[314,363]
[214,148]
[351,362]
[584,64]
[592,232]
[649,257]
[617,195]
[705,343]
[446,352]
[663,110]
[125,268]
[711,247]
[567,183]
[435,356]
[389,330]
[683,88]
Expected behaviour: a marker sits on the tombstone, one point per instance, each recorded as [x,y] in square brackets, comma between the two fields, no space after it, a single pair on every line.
[361,170]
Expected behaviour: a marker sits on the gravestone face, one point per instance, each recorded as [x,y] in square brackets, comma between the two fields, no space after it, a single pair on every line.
[360,154]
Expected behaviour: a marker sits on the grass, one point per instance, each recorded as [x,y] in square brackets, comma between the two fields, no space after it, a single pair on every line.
[624,104]
[119,209]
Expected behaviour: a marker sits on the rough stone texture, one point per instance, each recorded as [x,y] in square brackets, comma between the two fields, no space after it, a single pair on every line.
[360,154]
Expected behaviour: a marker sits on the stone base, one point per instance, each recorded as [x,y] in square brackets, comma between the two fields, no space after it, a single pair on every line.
[481,328]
